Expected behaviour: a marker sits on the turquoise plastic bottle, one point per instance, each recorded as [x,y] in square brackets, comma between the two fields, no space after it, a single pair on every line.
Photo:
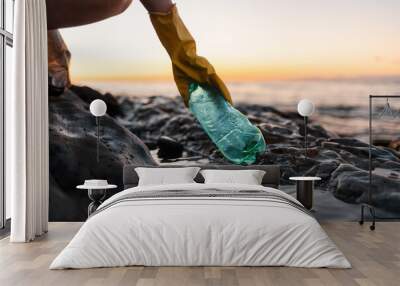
[237,139]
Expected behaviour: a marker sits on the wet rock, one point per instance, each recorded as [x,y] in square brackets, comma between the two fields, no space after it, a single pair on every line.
[350,184]
[151,118]
[341,162]
[273,135]
[88,94]
[323,170]
[348,142]
[169,148]
[72,141]
[391,165]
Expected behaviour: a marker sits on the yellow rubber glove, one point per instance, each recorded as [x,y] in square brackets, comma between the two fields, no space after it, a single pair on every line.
[187,66]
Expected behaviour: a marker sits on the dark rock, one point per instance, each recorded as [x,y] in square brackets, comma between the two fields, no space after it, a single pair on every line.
[323,170]
[88,94]
[341,162]
[395,144]
[348,142]
[66,206]
[272,138]
[169,148]
[394,152]
[151,118]
[72,140]
[313,152]
[351,184]
[395,166]
[319,132]
[54,90]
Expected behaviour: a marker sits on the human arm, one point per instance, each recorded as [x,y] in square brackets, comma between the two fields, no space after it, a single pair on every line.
[71,13]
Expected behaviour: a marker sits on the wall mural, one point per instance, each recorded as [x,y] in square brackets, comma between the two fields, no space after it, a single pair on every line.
[247,114]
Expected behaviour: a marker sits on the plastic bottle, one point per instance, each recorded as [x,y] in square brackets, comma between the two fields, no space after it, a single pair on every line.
[231,131]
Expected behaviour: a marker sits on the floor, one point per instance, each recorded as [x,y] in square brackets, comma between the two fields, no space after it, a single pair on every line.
[375,256]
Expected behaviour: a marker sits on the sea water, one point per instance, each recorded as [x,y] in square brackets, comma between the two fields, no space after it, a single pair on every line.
[332,98]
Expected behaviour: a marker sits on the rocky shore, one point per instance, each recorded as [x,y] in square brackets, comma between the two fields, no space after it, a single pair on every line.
[72,140]
[135,125]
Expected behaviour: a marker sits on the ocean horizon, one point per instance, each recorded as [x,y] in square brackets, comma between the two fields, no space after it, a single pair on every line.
[283,93]
[341,104]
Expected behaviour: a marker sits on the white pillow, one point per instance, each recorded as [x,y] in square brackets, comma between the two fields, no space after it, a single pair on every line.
[166,176]
[247,177]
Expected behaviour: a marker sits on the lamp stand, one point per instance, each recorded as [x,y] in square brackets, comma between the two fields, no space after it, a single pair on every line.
[98,138]
[305,135]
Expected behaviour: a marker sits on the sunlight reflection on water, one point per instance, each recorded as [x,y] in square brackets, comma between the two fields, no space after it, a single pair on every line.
[332,98]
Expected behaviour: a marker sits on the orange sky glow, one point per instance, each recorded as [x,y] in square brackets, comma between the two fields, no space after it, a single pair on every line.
[255,40]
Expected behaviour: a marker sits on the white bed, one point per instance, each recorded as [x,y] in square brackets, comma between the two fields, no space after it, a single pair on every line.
[185,230]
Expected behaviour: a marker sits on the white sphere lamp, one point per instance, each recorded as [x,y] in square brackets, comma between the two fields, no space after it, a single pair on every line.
[305,107]
[98,108]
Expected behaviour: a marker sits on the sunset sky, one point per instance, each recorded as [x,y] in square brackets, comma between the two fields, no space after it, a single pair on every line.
[249,40]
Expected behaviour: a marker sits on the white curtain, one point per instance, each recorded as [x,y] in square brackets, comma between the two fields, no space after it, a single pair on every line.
[27,149]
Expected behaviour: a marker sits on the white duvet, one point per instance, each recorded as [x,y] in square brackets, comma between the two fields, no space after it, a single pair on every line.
[200,231]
